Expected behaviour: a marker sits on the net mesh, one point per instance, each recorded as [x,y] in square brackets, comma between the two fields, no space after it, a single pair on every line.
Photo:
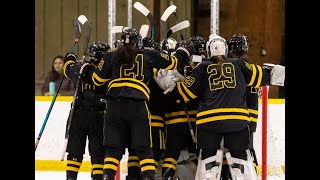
[275,143]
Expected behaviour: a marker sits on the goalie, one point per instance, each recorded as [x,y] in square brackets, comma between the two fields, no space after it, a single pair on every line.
[222,84]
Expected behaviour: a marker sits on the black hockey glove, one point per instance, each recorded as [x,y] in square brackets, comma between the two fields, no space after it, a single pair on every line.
[186,48]
[70,56]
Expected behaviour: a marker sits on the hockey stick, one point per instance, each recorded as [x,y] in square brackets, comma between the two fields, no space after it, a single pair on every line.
[77,33]
[87,32]
[141,8]
[176,17]
[252,151]
[189,122]
[165,16]
[116,29]
[182,25]
[144,30]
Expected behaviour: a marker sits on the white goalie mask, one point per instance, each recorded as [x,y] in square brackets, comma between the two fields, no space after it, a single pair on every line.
[216,46]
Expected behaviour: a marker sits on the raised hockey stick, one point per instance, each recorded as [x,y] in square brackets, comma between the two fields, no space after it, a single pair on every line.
[144,30]
[77,33]
[176,17]
[116,29]
[141,8]
[182,25]
[86,31]
[165,16]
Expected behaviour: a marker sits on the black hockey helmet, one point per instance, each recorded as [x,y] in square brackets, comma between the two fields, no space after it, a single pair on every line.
[200,45]
[131,36]
[238,44]
[97,50]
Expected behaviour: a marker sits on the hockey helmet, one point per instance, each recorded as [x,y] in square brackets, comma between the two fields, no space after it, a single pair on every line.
[238,44]
[216,46]
[97,50]
[131,36]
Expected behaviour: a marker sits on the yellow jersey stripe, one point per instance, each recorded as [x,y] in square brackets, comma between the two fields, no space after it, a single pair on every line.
[172,166]
[219,118]
[147,161]
[179,113]
[97,172]
[156,124]
[110,166]
[72,169]
[252,111]
[181,92]
[131,79]
[170,160]
[254,74]
[131,158]
[132,86]
[148,168]
[259,77]
[156,117]
[188,91]
[110,159]
[133,164]
[65,67]
[252,119]
[241,110]
[179,120]
[172,65]
[74,162]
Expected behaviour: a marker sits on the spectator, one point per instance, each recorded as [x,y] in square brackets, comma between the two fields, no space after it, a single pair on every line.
[67,87]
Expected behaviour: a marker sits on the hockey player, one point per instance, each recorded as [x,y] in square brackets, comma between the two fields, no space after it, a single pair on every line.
[238,47]
[222,84]
[88,117]
[176,120]
[156,106]
[127,123]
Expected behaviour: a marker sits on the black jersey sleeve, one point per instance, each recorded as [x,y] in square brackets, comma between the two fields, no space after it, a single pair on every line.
[255,75]
[102,73]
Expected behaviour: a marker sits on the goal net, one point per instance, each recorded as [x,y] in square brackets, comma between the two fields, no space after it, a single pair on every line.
[269,138]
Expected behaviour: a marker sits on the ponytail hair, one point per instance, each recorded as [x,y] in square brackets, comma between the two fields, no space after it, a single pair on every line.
[219,60]
[126,54]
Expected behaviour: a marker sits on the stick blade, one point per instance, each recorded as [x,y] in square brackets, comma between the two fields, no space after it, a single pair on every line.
[144,30]
[140,7]
[116,29]
[77,29]
[82,19]
[178,27]
[168,12]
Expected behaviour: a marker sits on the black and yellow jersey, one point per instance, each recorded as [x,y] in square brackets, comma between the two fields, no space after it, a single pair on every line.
[89,95]
[175,112]
[222,95]
[132,82]
[252,104]
[156,104]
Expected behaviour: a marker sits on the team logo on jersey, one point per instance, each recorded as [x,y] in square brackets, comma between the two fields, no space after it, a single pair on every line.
[100,64]
[165,56]
[188,81]
[248,66]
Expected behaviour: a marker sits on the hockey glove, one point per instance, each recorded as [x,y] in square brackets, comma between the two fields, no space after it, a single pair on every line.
[186,48]
[277,74]
[70,56]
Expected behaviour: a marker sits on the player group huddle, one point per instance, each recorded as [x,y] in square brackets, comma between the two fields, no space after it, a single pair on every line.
[172,102]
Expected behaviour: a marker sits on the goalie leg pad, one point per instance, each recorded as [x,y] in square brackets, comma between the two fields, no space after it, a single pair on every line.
[241,169]
[210,168]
